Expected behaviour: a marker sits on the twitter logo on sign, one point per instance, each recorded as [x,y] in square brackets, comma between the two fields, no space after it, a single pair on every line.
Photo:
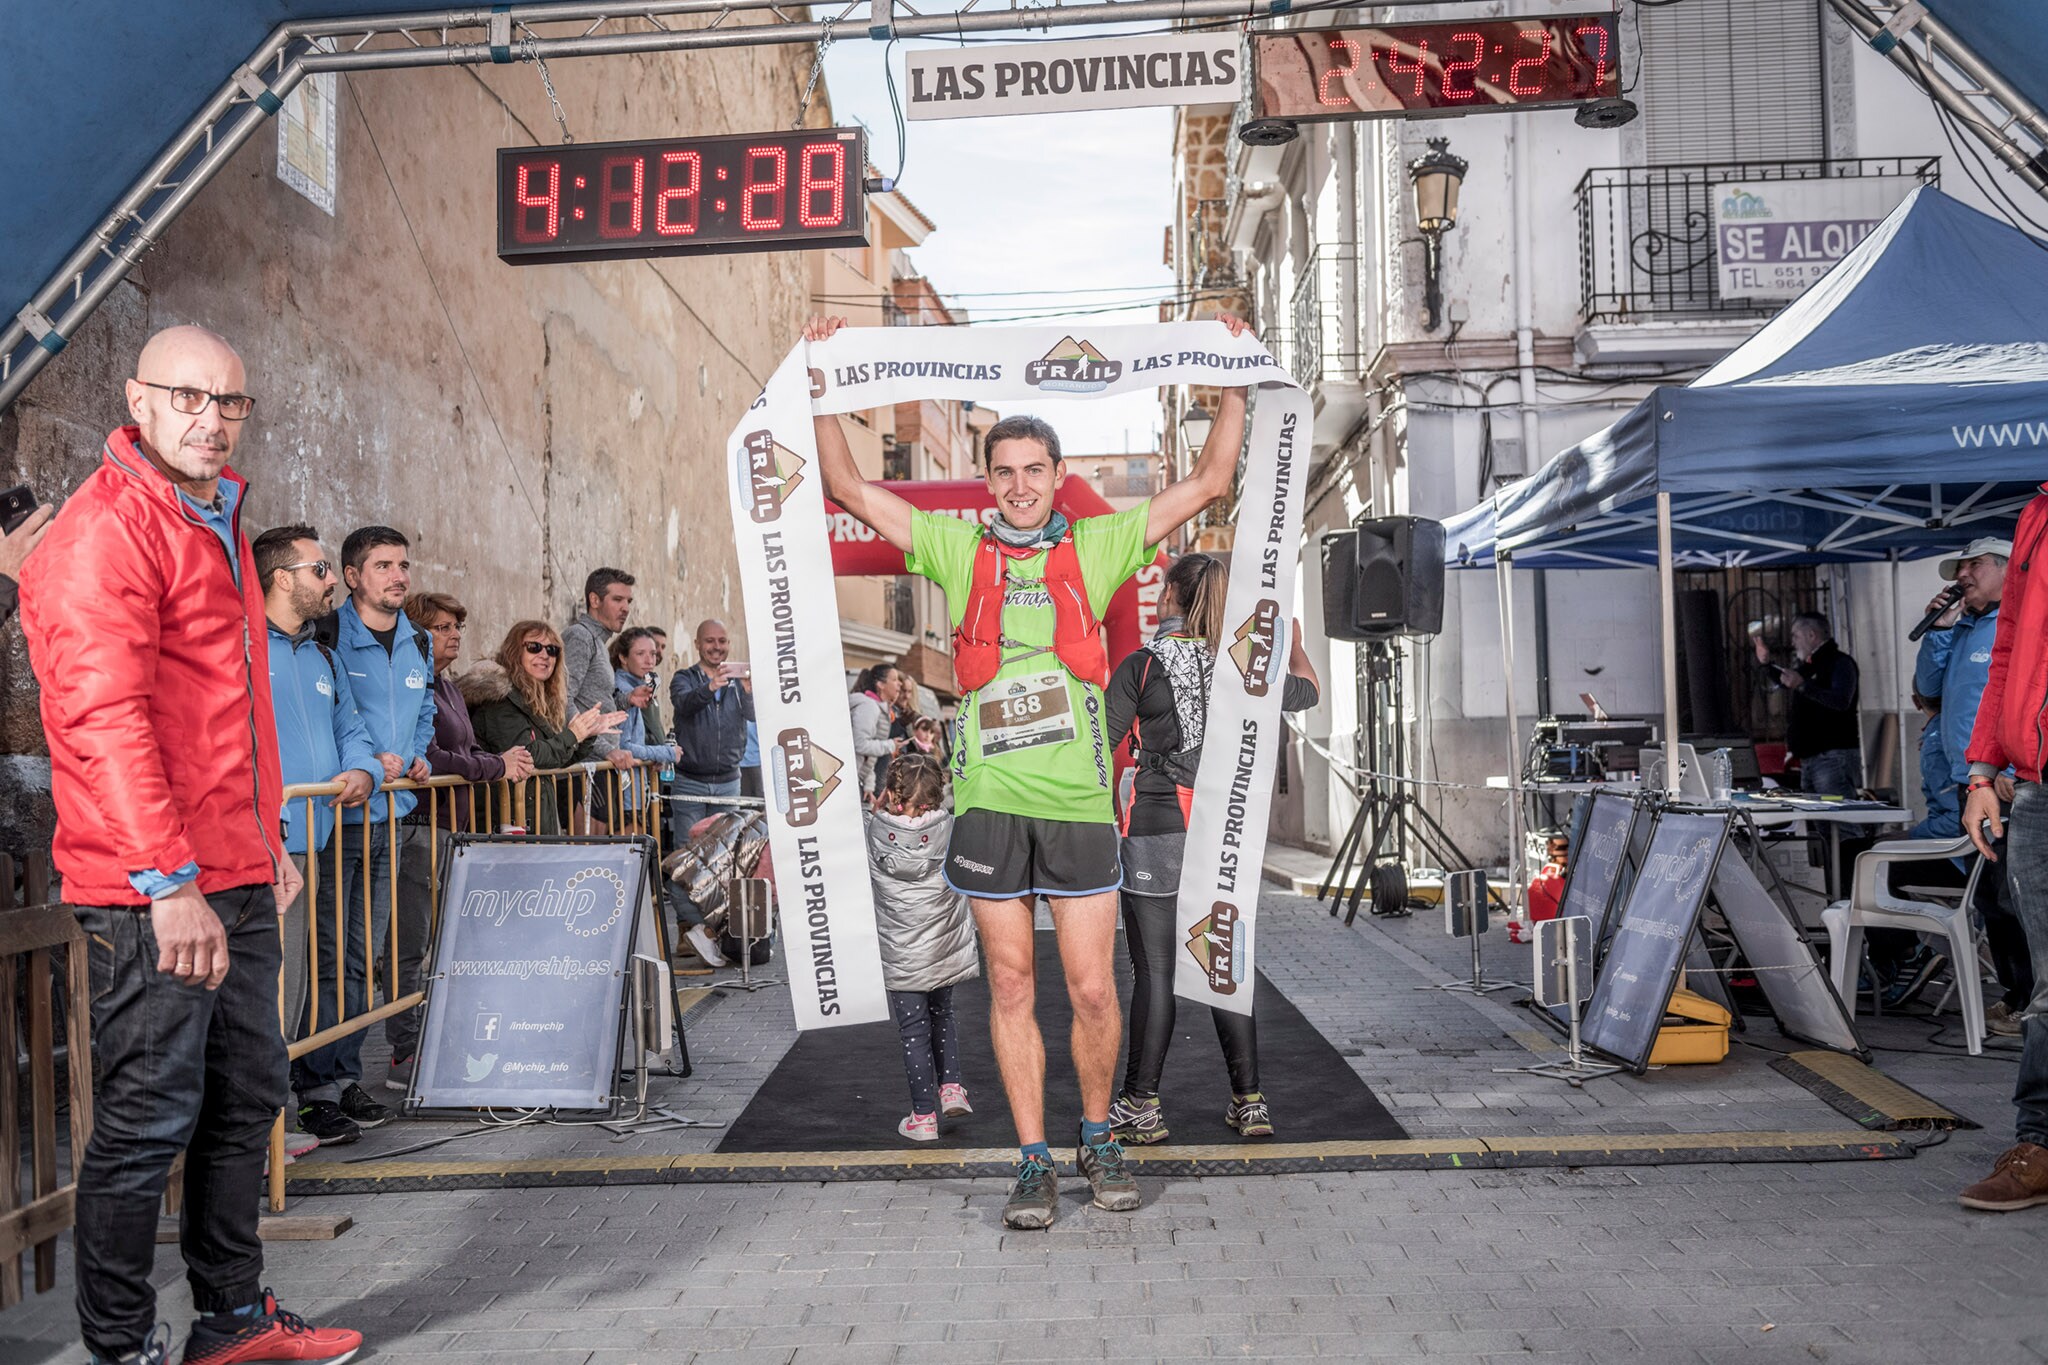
[475,1069]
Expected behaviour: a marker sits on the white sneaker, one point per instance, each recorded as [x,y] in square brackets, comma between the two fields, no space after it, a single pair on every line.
[706,946]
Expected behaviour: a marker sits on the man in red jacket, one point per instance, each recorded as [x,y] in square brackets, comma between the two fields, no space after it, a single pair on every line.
[2012,731]
[143,615]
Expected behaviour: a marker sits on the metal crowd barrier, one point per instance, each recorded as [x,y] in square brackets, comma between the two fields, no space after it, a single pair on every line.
[451,804]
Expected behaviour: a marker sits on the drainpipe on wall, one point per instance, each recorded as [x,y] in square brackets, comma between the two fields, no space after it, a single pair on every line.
[1525,372]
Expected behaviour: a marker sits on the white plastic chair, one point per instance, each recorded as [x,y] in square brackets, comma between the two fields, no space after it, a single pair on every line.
[1871,904]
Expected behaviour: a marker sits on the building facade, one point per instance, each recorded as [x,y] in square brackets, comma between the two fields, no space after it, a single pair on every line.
[1579,273]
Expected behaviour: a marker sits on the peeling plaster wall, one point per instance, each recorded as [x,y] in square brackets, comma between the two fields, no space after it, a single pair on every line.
[571,416]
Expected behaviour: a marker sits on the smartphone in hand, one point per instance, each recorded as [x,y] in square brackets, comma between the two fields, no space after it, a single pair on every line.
[15,505]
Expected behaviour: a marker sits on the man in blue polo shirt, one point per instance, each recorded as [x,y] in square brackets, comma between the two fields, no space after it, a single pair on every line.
[320,738]
[390,670]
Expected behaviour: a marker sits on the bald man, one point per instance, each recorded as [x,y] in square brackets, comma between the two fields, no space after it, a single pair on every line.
[140,609]
[713,701]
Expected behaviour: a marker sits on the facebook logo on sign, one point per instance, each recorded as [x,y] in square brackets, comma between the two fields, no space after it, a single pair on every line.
[486,1028]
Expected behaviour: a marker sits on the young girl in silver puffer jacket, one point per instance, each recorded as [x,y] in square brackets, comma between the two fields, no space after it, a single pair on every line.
[927,936]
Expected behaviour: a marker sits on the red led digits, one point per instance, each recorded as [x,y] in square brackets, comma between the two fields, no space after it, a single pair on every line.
[614,191]
[1417,67]
[1349,64]
[831,183]
[1596,50]
[1454,89]
[547,202]
[1540,61]
[676,205]
[774,188]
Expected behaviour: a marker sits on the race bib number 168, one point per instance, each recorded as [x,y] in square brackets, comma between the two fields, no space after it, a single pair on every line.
[1023,713]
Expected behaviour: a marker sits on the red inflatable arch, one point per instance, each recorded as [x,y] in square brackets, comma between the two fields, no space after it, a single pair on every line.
[1133,613]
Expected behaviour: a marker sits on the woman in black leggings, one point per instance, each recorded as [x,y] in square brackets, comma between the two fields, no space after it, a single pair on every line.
[1159,696]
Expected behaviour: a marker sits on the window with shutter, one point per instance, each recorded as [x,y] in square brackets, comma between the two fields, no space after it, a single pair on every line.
[1732,80]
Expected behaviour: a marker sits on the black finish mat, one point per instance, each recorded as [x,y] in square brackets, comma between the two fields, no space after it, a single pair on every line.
[843,1089]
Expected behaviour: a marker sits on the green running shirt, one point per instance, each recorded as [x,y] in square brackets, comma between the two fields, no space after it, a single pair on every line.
[1034,741]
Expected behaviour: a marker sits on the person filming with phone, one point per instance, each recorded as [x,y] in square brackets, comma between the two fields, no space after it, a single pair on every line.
[713,701]
[1820,728]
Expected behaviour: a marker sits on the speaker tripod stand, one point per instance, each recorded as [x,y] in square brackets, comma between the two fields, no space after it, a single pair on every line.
[1389,814]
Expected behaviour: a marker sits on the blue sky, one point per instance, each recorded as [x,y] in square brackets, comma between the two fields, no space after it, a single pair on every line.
[1043,202]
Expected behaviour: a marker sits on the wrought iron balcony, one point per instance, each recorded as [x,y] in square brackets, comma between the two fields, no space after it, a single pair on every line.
[1315,347]
[1646,233]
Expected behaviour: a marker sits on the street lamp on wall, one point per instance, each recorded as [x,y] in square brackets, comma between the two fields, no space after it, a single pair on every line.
[1194,425]
[1436,176]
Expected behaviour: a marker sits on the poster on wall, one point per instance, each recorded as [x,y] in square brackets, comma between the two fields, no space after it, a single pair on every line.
[305,138]
[1773,238]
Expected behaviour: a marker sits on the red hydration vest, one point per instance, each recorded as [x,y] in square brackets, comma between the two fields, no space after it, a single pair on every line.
[1076,634]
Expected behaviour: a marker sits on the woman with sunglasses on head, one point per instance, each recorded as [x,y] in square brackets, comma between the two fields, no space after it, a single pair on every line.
[522,700]
[1159,696]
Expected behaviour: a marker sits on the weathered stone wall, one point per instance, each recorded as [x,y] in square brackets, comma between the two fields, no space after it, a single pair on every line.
[569,416]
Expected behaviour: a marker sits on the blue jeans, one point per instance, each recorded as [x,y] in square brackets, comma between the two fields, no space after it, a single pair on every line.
[325,1072]
[2026,868]
[1835,772]
[686,814]
[179,1068]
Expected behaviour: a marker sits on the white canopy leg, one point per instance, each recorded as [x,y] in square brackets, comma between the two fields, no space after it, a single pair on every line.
[1667,595]
[1505,581]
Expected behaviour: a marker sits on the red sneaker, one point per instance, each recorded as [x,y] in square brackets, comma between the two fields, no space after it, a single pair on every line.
[274,1336]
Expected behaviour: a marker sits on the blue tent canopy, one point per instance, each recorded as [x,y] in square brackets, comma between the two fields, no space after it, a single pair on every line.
[1899,406]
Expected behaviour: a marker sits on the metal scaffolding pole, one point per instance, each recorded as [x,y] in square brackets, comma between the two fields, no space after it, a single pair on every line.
[1958,79]
[474,36]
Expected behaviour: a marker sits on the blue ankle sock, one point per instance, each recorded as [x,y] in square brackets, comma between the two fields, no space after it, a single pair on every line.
[1093,1132]
[1038,1150]
[234,1319]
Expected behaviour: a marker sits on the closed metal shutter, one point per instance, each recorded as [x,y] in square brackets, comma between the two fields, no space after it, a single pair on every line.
[1732,80]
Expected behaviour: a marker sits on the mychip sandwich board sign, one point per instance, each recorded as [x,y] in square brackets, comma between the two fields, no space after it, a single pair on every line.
[1657,922]
[527,982]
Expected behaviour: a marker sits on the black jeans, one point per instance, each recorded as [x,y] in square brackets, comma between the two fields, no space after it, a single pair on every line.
[1149,926]
[931,1044]
[180,1068]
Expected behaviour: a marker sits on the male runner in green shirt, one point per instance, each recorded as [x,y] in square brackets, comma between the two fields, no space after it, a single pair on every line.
[1032,770]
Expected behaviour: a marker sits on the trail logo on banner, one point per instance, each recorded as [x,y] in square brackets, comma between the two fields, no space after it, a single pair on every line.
[1255,647]
[773,473]
[1212,940]
[1060,77]
[785,556]
[1773,238]
[804,776]
[1073,367]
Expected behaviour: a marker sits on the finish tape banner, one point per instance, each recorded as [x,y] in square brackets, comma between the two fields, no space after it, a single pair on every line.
[778,509]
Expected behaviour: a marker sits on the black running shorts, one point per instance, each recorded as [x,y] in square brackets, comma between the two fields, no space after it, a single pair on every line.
[997,856]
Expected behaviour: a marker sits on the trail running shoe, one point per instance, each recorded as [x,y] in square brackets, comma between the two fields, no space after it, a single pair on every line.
[953,1100]
[1248,1114]
[358,1105]
[1138,1122]
[400,1076]
[920,1127]
[275,1335]
[1035,1198]
[1103,1163]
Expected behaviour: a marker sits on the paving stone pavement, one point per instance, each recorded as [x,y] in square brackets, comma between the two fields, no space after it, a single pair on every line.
[1843,1262]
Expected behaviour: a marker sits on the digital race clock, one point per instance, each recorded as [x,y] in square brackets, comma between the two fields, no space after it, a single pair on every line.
[1471,67]
[682,196]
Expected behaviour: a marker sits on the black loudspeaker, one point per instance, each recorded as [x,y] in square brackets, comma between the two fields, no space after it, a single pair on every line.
[1385,577]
